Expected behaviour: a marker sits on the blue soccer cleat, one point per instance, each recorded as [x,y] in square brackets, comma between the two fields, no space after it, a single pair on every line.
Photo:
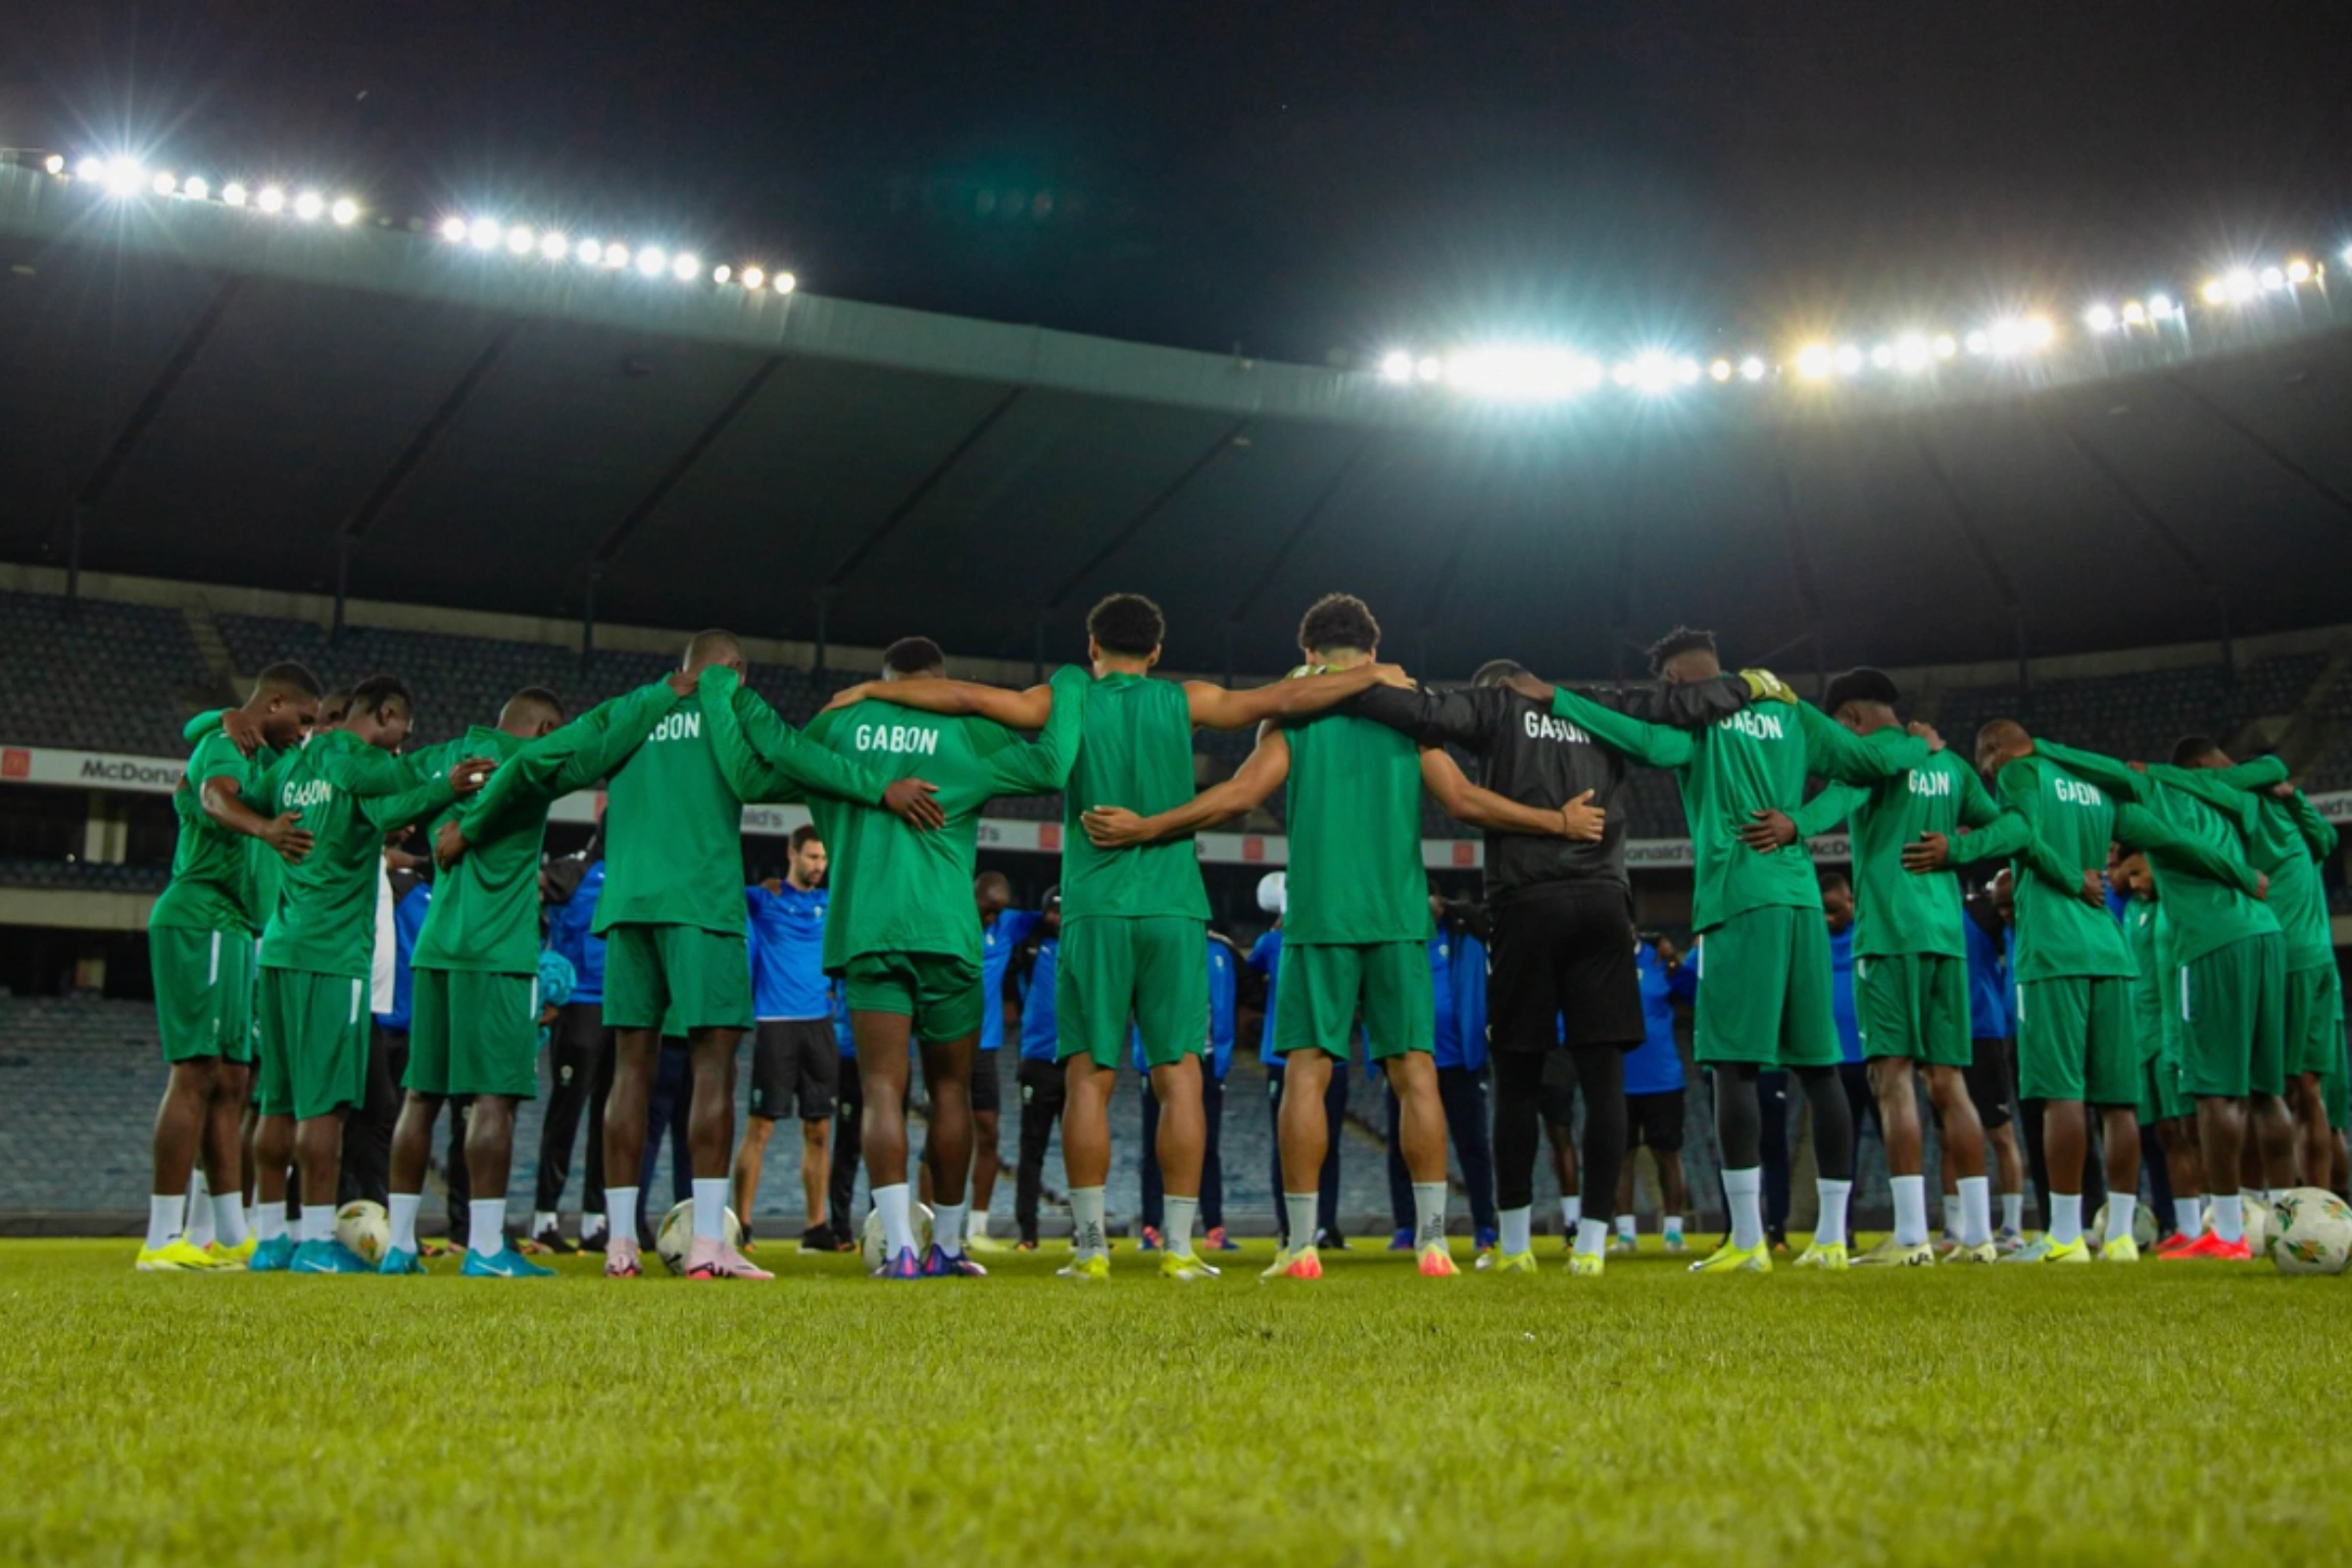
[939,1265]
[902,1267]
[1401,1241]
[329,1258]
[504,1264]
[273,1256]
[398,1261]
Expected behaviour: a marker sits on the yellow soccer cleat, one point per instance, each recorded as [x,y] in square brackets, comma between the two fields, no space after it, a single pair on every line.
[1586,1266]
[1185,1267]
[176,1256]
[232,1257]
[1436,1262]
[1756,1260]
[1892,1254]
[2123,1250]
[2076,1251]
[1094,1268]
[1296,1263]
[1981,1253]
[1827,1256]
[983,1246]
[1517,1262]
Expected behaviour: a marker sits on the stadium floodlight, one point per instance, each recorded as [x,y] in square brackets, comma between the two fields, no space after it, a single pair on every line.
[125,176]
[1622,372]
[722,272]
[1813,362]
[1686,370]
[2039,334]
[1652,371]
[685,269]
[233,194]
[1395,365]
[1882,356]
[195,188]
[755,277]
[2273,278]
[93,169]
[651,261]
[309,205]
[164,183]
[1720,371]
[785,283]
[1431,369]
[2161,307]
[452,229]
[270,199]
[484,232]
[589,252]
[2240,284]
[1912,352]
[617,255]
[1751,369]
[54,164]
[1947,345]
[554,247]
[345,211]
[1978,342]
[1849,359]
[2135,314]
[2298,271]
[520,240]
[2007,335]
[2215,291]
[2101,317]
[1520,372]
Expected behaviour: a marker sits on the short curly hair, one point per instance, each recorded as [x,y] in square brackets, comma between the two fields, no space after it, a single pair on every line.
[1339,620]
[1128,624]
[1680,640]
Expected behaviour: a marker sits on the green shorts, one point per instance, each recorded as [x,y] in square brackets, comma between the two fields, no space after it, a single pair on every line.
[1152,969]
[2315,1021]
[1913,1005]
[2074,1041]
[316,1025]
[472,1033]
[2233,1006]
[2160,1096]
[676,977]
[1764,990]
[202,993]
[939,991]
[1322,987]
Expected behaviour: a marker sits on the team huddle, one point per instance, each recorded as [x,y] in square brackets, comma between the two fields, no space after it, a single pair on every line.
[2212,1013]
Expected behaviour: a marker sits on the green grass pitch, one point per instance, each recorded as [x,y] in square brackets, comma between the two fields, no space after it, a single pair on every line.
[2156,1414]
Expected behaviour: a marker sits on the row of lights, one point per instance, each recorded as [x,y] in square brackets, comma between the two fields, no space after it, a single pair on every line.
[650,260]
[125,178]
[1535,372]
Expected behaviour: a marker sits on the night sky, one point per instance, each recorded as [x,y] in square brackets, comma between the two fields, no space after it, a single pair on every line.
[1304,180]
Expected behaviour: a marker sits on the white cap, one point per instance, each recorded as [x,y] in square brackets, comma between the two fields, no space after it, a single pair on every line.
[1274,893]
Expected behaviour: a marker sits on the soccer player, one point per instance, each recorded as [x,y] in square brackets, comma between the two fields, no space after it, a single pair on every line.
[1002,929]
[580,1053]
[474,1035]
[795,1066]
[320,949]
[1044,1085]
[1653,1091]
[1265,959]
[2163,1109]
[900,934]
[2073,971]
[1457,974]
[1911,956]
[200,942]
[1135,912]
[671,914]
[1764,972]
[1357,926]
[1224,962]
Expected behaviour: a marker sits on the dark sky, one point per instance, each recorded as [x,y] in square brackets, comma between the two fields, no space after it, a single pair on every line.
[1300,178]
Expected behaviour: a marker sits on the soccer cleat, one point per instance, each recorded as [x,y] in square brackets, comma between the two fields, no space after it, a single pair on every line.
[176,1256]
[1150,1241]
[2178,1241]
[1401,1240]
[985,1246]
[1675,1244]
[2210,1248]
[1981,1253]
[1892,1254]
[2076,1251]
[234,1258]
[1516,1262]
[717,1261]
[1024,1246]
[621,1258]
[1437,1263]
[943,1266]
[1301,1263]
[504,1264]
[1216,1241]
[400,1260]
[552,1240]
[1622,1243]
[329,1258]
[1095,1266]
[2006,1240]
[1485,1238]
[594,1239]
[1729,1259]
[902,1267]
[1586,1266]
[2121,1249]
[1185,1267]
[818,1239]
[1827,1256]
[273,1256]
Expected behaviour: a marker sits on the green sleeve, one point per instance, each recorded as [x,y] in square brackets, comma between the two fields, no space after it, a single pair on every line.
[2262,773]
[2170,848]
[217,759]
[412,789]
[2106,773]
[1838,753]
[1826,810]
[568,759]
[1653,745]
[2021,797]
[801,764]
[2212,786]
[2318,831]
[1994,834]
[1042,767]
[751,776]
[202,724]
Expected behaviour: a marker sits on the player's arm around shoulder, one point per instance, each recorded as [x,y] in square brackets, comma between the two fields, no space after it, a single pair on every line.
[1653,745]
[1215,706]
[1483,808]
[1112,826]
[1026,709]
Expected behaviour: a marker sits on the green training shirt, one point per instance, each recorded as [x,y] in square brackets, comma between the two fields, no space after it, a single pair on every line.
[213,869]
[350,794]
[896,888]
[1751,761]
[1134,748]
[1353,818]
[2143,931]
[2285,838]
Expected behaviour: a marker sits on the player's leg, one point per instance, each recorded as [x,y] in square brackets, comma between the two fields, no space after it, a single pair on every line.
[221,1161]
[882,1022]
[330,1080]
[1809,1048]
[1094,993]
[1463,1092]
[1399,999]
[1523,1010]
[849,1123]
[367,1135]
[1743,989]
[1401,1183]
[1041,1098]
[1772,1108]
[817,1160]
[1212,1160]
[1601,1019]
[1674,1185]
[1624,1222]
[179,1124]
[2311,996]
[1963,1156]
[710,989]
[1989,1090]
[2111,1080]
[773,1080]
[1601,1079]
[1180,1143]
[1558,1108]
[637,995]
[1301,1138]
[948,1147]
[988,1156]
[1170,999]
[191,995]
[2265,1024]
[2214,996]
[1886,1002]
[2053,1059]
[426,1085]
[494,1045]
[571,1065]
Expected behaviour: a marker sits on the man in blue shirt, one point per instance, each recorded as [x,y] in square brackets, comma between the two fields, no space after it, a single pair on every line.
[1002,929]
[794,1064]
[1265,957]
[1224,963]
[1457,964]
[580,1058]
[1044,1087]
[1653,1089]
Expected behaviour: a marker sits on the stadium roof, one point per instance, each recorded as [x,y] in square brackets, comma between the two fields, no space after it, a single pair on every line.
[206,396]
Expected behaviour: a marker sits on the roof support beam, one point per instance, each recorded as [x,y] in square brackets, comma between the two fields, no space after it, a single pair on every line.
[2247,433]
[929,482]
[1291,541]
[1965,521]
[2150,518]
[616,537]
[1136,524]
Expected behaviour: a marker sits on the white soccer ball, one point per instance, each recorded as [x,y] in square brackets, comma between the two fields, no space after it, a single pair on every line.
[676,1235]
[2259,1227]
[365,1228]
[870,1236]
[2143,1228]
[2311,1231]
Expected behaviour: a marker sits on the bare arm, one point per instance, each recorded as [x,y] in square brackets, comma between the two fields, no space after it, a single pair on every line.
[1490,813]
[1217,707]
[1023,709]
[224,803]
[1113,826]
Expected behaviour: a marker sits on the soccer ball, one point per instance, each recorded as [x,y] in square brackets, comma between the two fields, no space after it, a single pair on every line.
[676,1235]
[2259,1227]
[870,1236]
[2143,1228]
[365,1228]
[2311,1231]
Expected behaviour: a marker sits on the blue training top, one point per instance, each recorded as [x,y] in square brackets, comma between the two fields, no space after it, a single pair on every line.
[1842,992]
[1039,1037]
[785,932]
[569,933]
[1987,986]
[997,941]
[408,920]
[1656,1066]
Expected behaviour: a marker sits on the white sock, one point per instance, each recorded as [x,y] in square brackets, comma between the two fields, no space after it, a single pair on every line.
[403,1209]
[486,1226]
[1910,1209]
[1299,1208]
[1183,1215]
[1429,1214]
[199,1232]
[1952,1219]
[1572,1209]
[1626,1228]
[1673,1228]
[2120,1211]
[1087,1236]
[1592,1235]
[228,1219]
[1834,1198]
[1518,1230]
[898,1218]
[2012,1212]
[2189,1216]
[975,1229]
[709,1208]
[1746,1191]
[317,1222]
[946,1226]
[620,1208]
[268,1221]
[2066,1218]
[163,1221]
[592,1225]
[2229,1216]
[1976,1211]
[542,1222]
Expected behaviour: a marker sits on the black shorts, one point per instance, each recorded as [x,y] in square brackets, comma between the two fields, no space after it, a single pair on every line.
[1655,1121]
[1556,1100]
[988,1090]
[795,1065]
[1564,952]
[1989,1078]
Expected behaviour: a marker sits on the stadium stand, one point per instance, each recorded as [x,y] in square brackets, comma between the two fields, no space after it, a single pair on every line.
[108,677]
